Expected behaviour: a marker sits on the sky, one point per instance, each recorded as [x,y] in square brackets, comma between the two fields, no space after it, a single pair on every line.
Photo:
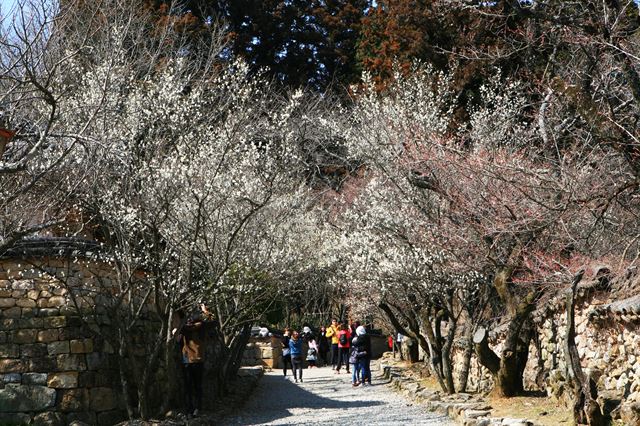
[6,6]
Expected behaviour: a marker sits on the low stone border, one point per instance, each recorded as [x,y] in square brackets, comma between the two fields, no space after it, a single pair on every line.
[464,408]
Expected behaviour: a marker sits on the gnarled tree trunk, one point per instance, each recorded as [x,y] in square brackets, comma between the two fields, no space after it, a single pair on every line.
[586,409]
[508,368]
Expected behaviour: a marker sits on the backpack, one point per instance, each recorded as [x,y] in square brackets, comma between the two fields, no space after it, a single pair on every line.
[343,339]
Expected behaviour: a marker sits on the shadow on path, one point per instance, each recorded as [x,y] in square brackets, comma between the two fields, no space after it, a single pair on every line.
[326,398]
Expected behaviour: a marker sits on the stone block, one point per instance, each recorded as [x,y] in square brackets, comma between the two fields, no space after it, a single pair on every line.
[55,322]
[21,398]
[70,362]
[43,364]
[56,348]
[30,323]
[49,418]
[15,312]
[7,302]
[33,294]
[111,417]
[18,294]
[73,400]
[11,366]
[48,312]
[4,292]
[102,399]
[34,350]
[29,312]
[8,324]
[43,302]
[26,303]
[50,335]
[12,378]
[9,350]
[34,378]
[66,380]
[23,285]
[57,301]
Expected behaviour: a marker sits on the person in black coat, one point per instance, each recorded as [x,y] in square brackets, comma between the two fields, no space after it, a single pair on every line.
[323,345]
[363,348]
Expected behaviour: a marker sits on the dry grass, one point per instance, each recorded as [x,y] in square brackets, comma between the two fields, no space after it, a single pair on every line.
[540,410]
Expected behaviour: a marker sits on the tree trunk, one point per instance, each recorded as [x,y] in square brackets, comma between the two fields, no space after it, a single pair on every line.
[435,352]
[508,369]
[236,350]
[124,374]
[586,409]
[148,372]
[447,368]
[466,358]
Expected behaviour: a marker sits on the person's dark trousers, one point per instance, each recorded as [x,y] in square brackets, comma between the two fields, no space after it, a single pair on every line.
[334,355]
[324,357]
[343,358]
[286,359]
[366,369]
[193,384]
[297,368]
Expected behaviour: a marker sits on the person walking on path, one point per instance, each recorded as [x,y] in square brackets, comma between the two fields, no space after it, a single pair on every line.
[344,343]
[312,352]
[332,333]
[354,360]
[364,354]
[399,339]
[295,345]
[323,345]
[286,352]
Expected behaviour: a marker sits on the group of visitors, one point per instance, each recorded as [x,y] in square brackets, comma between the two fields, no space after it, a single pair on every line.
[340,343]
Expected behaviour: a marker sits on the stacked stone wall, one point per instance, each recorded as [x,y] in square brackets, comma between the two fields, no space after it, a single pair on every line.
[53,368]
[609,350]
[264,351]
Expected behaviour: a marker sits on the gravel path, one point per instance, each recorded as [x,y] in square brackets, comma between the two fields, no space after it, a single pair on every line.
[328,398]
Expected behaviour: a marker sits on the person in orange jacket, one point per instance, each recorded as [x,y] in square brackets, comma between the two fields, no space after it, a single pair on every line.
[332,333]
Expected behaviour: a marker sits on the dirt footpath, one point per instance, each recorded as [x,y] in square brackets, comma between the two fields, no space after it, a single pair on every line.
[328,398]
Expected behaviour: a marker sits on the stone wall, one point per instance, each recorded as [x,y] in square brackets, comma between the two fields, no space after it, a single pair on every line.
[608,345]
[263,351]
[53,369]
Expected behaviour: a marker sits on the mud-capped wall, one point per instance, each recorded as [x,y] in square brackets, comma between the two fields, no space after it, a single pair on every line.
[607,339]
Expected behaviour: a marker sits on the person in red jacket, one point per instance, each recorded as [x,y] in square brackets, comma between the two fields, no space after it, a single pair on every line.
[344,345]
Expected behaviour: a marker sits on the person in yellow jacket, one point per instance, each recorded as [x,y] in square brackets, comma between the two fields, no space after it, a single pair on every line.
[332,332]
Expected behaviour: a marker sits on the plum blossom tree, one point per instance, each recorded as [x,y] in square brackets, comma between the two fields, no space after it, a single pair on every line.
[481,196]
[188,172]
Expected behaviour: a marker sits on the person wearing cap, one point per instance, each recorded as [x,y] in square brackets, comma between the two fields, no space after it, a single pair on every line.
[364,354]
[312,351]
